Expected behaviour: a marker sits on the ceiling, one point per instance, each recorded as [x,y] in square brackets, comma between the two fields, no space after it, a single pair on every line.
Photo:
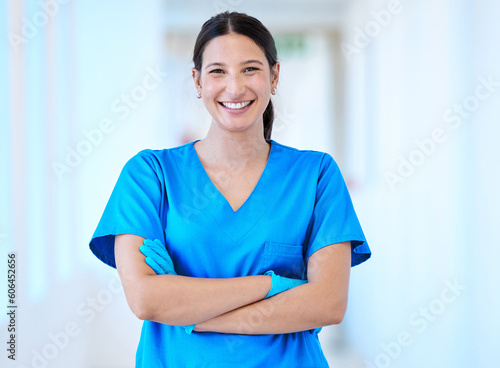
[189,15]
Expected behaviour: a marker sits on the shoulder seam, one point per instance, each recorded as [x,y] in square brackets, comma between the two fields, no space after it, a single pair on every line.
[297,149]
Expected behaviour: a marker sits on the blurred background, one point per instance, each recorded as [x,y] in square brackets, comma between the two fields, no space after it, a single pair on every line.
[404,94]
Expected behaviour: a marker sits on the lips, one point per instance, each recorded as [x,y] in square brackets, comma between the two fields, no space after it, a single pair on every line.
[236,105]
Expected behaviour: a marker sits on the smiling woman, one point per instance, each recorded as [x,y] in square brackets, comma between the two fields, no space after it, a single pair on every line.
[235,82]
[239,28]
[203,275]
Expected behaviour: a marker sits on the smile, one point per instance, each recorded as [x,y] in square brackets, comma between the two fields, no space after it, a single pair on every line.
[237,105]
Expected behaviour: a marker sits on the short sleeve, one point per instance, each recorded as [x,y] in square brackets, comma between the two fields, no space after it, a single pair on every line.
[334,219]
[135,206]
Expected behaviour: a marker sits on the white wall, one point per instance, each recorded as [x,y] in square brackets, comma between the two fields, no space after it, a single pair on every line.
[434,227]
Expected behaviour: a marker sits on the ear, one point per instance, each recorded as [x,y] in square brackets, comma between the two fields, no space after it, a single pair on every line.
[196,79]
[275,75]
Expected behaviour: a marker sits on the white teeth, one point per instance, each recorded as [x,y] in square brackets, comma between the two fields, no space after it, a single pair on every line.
[236,106]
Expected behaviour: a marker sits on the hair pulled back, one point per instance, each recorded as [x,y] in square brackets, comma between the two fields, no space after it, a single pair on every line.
[228,22]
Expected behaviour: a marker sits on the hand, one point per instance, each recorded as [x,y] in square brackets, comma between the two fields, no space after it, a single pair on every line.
[157,257]
[159,260]
[280,283]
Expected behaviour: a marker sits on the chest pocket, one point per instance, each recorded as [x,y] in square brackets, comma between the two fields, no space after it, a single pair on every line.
[284,259]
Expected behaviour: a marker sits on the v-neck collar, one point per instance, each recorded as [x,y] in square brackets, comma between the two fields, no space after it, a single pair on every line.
[264,173]
[237,223]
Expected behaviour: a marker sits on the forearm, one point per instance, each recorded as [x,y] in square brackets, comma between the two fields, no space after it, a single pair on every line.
[229,305]
[320,302]
[302,308]
[180,300]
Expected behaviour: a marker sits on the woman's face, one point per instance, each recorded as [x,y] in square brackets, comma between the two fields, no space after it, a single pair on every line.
[235,82]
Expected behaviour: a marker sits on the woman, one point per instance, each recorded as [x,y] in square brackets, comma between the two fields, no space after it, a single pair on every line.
[248,242]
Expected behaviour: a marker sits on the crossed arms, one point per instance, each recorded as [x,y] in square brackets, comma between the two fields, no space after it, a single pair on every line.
[230,305]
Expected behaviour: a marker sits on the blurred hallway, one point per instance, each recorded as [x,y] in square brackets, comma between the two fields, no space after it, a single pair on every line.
[405,95]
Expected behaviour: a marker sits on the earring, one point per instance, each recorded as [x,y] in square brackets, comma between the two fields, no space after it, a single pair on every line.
[198,95]
[274,91]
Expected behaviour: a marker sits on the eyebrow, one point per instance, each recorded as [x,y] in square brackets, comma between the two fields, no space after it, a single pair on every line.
[243,63]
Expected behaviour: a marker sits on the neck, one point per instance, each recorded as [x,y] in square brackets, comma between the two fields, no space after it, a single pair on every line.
[224,148]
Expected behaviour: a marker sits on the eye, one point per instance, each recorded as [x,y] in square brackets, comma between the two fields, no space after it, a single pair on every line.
[251,69]
[217,71]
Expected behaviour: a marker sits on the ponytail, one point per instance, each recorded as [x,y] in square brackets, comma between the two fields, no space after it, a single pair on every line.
[268,120]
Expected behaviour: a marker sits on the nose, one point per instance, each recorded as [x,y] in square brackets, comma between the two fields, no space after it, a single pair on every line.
[235,86]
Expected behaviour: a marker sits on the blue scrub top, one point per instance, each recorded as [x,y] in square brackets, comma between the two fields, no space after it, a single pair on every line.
[299,205]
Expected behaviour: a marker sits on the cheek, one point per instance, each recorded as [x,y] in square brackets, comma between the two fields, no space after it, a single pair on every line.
[213,91]
[262,86]
[262,90]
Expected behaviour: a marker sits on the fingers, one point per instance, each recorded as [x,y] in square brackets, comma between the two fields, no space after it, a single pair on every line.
[157,257]
[155,266]
[155,245]
[159,243]
[280,283]
[147,251]
[189,329]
